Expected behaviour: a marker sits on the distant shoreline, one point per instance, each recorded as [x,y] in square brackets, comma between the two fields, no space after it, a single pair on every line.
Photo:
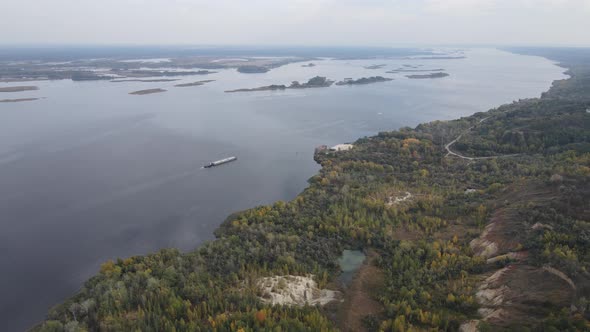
[151,81]
[19,88]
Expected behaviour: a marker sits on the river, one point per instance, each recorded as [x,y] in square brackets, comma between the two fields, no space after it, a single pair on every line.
[91,173]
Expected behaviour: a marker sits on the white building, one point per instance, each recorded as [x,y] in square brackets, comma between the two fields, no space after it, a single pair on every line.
[341,147]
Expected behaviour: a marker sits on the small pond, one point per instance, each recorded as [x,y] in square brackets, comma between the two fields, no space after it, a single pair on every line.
[350,262]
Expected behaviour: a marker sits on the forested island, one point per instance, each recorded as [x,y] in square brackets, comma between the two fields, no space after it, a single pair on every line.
[426,76]
[198,83]
[315,82]
[494,235]
[364,80]
[375,66]
[253,69]
[17,100]
[147,92]
[273,87]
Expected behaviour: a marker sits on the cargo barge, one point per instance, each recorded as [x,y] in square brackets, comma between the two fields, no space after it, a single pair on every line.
[221,162]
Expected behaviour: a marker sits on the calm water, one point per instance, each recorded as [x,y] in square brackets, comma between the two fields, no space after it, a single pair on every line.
[91,173]
[350,262]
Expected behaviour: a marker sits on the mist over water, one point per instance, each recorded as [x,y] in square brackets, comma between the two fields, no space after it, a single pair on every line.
[91,173]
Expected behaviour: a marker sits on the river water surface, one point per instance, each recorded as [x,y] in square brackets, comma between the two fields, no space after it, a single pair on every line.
[91,173]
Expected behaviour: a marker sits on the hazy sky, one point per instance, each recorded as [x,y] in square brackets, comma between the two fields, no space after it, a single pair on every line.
[301,22]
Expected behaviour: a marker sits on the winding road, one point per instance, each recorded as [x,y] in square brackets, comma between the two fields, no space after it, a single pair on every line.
[452,153]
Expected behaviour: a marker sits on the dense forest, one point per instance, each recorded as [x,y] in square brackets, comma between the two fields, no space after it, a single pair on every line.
[442,232]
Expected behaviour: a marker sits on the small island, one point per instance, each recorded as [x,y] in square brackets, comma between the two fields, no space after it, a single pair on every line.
[146,81]
[309,65]
[198,83]
[364,80]
[375,66]
[425,76]
[403,70]
[441,57]
[316,82]
[147,92]
[18,88]
[273,87]
[17,100]
[252,69]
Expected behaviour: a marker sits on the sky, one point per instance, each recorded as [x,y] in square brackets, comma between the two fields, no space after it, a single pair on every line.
[297,22]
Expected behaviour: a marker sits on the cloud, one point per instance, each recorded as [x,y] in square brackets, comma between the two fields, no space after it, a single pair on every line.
[497,6]
[325,22]
[460,6]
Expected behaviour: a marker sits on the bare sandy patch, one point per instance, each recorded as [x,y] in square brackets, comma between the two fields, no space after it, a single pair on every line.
[395,200]
[295,290]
